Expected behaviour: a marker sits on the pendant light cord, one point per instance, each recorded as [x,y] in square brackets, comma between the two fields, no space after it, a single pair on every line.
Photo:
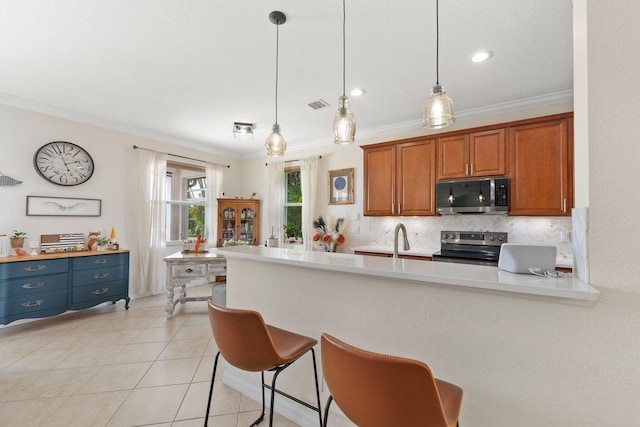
[277,55]
[344,49]
[437,46]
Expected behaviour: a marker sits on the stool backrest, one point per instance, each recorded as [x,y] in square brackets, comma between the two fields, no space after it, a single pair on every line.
[378,390]
[242,338]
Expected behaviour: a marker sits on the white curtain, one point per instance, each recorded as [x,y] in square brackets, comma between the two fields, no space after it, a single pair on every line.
[309,184]
[275,197]
[152,172]
[214,188]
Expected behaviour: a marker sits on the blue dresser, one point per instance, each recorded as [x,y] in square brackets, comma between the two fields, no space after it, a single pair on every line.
[50,284]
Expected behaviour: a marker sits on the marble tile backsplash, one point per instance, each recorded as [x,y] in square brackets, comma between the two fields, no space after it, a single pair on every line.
[424,232]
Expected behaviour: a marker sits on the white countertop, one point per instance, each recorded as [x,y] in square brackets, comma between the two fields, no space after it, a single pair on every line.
[560,262]
[451,274]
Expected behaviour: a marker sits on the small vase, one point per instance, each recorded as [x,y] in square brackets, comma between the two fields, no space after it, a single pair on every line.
[101,247]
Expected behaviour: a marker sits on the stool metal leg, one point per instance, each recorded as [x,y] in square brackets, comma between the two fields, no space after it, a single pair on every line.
[213,377]
[261,417]
[326,410]
[315,374]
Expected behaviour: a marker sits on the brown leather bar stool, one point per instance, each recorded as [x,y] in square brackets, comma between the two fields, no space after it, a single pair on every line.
[247,343]
[378,390]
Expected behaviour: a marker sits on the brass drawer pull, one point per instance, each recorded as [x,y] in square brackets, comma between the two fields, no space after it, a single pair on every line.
[101,261]
[101,276]
[40,267]
[189,270]
[100,292]
[30,286]
[28,304]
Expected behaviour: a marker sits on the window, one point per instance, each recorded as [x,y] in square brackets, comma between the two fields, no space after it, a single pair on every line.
[293,204]
[185,189]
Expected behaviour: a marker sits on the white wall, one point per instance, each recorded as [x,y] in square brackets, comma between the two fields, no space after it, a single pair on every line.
[114,179]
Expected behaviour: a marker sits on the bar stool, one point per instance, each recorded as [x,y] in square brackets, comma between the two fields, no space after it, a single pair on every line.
[247,343]
[378,390]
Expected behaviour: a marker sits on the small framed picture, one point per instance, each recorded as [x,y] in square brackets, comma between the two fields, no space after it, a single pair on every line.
[341,187]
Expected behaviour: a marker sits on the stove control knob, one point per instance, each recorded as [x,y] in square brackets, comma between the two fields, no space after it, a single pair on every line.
[492,237]
[500,238]
[445,236]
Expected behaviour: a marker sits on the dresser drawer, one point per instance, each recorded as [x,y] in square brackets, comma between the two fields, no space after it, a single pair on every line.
[33,285]
[102,291]
[98,261]
[33,303]
[98,275]
[33,268]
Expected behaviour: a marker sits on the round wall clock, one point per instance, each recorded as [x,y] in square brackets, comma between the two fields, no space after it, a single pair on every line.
[63,163]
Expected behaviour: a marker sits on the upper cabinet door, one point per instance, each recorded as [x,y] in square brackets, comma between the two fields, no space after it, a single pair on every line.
[487,153]
[453,157]
[541,168]
[416,178]
[379,180]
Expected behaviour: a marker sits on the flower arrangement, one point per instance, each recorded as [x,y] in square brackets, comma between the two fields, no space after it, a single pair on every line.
[329,238]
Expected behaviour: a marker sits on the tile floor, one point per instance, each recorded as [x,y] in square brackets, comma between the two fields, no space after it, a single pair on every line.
[109,367]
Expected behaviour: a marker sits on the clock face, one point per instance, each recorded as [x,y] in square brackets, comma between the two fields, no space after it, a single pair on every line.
[63,163]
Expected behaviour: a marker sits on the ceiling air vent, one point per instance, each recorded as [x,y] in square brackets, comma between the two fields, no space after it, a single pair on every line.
[320,103]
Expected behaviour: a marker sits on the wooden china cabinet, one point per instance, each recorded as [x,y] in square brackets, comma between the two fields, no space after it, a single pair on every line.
[238,219]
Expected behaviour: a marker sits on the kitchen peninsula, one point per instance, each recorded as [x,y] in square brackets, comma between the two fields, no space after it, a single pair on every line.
[475,326]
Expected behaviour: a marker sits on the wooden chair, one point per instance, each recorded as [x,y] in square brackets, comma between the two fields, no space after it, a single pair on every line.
[378,390]
[247,343]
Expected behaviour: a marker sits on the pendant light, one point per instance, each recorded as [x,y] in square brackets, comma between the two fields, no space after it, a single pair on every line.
[344,125]
[438,110]
[275,143]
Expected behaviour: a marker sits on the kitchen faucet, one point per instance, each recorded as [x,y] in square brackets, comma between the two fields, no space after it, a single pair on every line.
[399,227]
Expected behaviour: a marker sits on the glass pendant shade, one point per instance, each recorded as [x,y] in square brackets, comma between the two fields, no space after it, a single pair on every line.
[275,144]
[438,110]
[344,125]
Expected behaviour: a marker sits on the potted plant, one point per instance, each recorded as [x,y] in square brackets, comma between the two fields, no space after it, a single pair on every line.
[101,243]
[17,239]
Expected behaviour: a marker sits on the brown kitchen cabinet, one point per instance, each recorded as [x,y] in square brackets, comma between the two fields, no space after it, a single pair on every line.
[238,219]
[541,168]
[399,178]
[471,155]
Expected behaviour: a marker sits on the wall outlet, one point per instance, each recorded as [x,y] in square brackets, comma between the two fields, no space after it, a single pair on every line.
[355,216]
[565,236]
[355,230]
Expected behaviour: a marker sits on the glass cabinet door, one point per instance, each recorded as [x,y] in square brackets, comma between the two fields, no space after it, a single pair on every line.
[228,231]
[247,216]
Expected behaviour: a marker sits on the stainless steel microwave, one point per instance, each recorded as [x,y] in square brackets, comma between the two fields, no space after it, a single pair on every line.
[473,196]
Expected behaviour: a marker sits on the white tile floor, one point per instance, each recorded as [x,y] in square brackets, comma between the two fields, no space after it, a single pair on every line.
[110,367]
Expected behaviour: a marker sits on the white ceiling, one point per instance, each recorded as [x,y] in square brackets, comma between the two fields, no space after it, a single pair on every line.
[185,70]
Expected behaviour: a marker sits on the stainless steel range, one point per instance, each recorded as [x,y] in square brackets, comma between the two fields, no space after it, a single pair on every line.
[470,247]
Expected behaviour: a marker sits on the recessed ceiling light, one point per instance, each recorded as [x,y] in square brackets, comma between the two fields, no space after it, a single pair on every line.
[357,92]
[481,56]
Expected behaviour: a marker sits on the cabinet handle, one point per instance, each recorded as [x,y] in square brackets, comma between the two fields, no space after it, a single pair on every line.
[28,304]
[101,276]
[100,292]
[470,169]
[564,205]
[30,286]
[101,261]
[40,267]
[466,169]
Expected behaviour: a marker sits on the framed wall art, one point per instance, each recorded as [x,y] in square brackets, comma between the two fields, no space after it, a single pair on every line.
[341,187]
[63,206]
